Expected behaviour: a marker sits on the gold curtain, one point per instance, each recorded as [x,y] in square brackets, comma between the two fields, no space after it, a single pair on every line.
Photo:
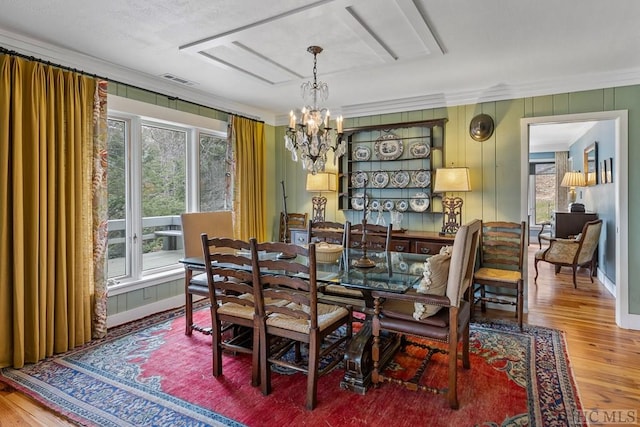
[46,208]
[249,190]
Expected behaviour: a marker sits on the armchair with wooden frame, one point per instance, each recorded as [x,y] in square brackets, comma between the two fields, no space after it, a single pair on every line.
[574,253]
[216,223]
[502,247]
[301,320]
[447,323]
[230,279]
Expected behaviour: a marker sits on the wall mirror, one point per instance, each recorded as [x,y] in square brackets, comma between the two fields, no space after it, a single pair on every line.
[591,164]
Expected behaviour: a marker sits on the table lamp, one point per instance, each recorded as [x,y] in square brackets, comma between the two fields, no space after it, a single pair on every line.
[572,180]
[321,182]
[451,180]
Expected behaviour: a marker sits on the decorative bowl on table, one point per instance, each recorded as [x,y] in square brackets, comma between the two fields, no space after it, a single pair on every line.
[327,252]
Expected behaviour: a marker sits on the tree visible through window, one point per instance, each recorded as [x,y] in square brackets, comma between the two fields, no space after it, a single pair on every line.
[545,191]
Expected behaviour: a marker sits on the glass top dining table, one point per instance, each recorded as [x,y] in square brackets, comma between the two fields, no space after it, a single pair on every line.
[392,272]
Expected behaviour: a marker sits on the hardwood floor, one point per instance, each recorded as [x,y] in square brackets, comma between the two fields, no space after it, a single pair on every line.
[604,357]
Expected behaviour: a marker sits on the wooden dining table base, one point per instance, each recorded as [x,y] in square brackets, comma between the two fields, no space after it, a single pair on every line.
[357,358]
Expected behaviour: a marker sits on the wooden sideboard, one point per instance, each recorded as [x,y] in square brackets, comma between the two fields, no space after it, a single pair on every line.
[567,224]
[419,242]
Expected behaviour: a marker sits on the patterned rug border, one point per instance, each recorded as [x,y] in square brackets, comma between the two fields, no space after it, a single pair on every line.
[193,415]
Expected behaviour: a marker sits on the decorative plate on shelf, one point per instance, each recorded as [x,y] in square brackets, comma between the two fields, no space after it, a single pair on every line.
[402,205]
[358,201]
[400,179]
[419,202]
[388,205]
[359,179]
[388,147]
[421,178]
[379,179]
[374,205]
[419,149]
[361,153]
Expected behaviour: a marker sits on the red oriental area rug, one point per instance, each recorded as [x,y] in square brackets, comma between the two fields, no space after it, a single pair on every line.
[148,373]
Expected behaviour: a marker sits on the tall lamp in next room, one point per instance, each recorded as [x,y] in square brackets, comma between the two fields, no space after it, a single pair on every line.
[321,182]
[451,180]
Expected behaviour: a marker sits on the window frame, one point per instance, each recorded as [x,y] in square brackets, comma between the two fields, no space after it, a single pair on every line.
[136,114]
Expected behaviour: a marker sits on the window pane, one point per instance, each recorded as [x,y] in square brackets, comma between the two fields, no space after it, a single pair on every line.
[215,181]
[545,188]
[163,195]
[116,182]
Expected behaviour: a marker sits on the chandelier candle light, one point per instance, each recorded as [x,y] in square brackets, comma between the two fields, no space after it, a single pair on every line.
[312,137]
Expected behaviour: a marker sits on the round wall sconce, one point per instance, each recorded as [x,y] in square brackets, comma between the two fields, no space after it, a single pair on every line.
[481,127]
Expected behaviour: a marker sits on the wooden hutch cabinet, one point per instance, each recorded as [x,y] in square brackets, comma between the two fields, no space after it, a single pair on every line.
[390,168]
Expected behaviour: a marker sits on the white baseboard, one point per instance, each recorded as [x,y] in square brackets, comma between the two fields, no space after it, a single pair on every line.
[608,284]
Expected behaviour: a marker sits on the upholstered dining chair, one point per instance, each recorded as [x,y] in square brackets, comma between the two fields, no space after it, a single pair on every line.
[440,313]
[215,223]
[229,281]
[301,320]
[502,246]
[574,253]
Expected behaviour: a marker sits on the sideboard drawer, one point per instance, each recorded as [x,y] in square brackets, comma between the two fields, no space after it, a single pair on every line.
[299,236]
[400,246]
[428,248]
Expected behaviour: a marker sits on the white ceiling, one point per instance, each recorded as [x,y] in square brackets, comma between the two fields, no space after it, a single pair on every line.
[249,56]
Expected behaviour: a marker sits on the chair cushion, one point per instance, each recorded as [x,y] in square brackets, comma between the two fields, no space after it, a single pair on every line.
[327,315]
[434,282]
[497,275]
[238,310]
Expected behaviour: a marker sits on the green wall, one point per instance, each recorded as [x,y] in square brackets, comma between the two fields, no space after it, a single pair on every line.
[495,164]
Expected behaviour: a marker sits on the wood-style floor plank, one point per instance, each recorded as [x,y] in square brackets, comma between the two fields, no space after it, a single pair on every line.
[604,357]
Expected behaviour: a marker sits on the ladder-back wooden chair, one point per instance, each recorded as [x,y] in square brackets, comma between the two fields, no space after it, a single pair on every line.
[229,279]
[502,248]
[302,319]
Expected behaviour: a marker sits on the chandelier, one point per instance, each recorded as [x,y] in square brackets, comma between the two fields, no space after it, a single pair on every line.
[310,139]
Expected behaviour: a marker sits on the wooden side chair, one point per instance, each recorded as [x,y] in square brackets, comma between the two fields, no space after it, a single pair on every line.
[574,253]
[378,236]
[501,265]
[216,223]
[447,323]
[229,281]
[301,320]
[295,220]
[327,231]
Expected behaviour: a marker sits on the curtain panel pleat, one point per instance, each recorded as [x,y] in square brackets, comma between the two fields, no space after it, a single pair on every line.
[47,272]
[248,139]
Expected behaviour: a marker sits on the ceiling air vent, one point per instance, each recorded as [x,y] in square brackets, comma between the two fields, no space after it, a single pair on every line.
[178,79]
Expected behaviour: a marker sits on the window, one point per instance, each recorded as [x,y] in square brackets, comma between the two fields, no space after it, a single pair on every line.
[157,170]
[544,191]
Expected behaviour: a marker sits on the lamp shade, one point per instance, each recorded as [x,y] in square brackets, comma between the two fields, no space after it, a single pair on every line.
[573,179]
[321,182]
[451,180]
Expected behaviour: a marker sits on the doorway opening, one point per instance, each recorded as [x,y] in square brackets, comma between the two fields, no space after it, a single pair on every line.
[620,220]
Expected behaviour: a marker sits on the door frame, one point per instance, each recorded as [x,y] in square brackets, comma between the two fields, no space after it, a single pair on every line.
[624,318]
